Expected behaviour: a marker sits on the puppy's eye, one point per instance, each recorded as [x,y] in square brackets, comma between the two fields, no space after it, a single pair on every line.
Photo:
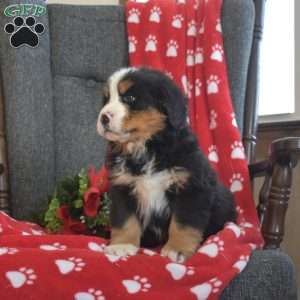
[128,99]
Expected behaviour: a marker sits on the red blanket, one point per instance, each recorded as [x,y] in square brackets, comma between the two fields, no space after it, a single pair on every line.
[185,40]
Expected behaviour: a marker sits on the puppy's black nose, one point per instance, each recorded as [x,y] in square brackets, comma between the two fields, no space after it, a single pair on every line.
[105,120]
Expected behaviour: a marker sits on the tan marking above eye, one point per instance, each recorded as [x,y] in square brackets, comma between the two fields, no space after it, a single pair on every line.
[124,85]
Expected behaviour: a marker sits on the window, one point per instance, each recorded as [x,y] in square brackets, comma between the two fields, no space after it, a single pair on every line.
[277,73]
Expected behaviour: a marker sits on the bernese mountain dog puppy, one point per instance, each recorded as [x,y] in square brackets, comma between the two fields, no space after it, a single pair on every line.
[163,190]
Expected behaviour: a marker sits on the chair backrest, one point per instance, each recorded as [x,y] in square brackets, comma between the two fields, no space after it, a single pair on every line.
[52,93]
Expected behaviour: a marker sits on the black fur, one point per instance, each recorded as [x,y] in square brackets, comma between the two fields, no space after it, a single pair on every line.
[203,203]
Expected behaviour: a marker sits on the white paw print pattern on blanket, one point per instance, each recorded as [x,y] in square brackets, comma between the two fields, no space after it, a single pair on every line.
[155,14]
[177,21]
[213,154]
[151,42]
[237,150]
[136,285]
[204,290]
[91,294]
[134,16]
[132,42]
[179,271]
[7,250]
[172,47]
[213,84]
[212,247]
[53,247]
[20,277]
[65,266]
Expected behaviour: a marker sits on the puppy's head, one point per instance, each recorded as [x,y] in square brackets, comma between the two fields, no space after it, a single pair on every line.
[139,103]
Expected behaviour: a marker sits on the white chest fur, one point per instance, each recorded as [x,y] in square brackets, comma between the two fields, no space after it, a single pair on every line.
[150,188]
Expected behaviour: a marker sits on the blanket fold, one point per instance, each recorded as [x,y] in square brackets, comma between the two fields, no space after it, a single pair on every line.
[184,39]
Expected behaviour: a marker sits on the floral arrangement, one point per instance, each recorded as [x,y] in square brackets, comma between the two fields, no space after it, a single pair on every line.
[80,205]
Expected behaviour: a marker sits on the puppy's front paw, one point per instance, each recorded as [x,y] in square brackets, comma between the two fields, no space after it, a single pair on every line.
[121,249]
[176,255]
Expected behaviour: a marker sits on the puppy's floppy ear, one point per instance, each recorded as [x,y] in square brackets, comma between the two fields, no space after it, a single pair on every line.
[175,105]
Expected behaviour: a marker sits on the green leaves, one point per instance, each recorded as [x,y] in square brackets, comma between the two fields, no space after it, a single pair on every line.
[69,194]
[53,223]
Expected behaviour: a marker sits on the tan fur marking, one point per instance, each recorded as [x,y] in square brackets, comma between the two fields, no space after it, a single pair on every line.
[179,177]
[144,124]
[130,233]
[124,85]
[183,239]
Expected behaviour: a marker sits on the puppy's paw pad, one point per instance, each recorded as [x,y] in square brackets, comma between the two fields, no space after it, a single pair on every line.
[121,249]
[174,255]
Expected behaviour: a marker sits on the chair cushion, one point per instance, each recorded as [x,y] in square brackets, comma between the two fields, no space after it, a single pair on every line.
[77,144]
[87,41]
[269,275]
[27,89]
[237,25]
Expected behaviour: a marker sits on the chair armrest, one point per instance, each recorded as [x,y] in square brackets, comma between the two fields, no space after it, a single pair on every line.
[275,193]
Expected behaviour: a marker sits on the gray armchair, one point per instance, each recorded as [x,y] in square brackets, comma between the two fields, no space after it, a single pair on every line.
[51,100]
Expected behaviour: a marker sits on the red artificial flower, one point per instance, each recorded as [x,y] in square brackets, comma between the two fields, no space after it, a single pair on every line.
[63,213]
[70,225]
[91,201]
[99,179]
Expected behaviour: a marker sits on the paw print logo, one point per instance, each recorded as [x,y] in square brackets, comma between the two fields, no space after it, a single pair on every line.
[192,29]
[53,247]
[236,183]
[213,84]
[219,26]
[65,266]
[199,56]
[23,276]
[6,250]
[198,85]
[212,247]
[132,44]
[217,53]
[24,32]
[213,154]
[241,263]
[151,42]
[155,14]
[213,119]
[136,284]
[179,271]
[91,294]
[190,57]
[134,16]
[177,21]
[233,120]
[204,290]
[172,47]
[237,150]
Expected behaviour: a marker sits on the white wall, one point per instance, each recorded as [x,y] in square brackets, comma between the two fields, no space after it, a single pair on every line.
[296,116]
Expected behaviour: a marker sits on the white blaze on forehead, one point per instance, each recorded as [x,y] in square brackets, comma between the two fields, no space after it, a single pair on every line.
[115,107]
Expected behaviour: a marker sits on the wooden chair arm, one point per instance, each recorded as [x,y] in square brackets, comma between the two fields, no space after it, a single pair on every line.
[275,192]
